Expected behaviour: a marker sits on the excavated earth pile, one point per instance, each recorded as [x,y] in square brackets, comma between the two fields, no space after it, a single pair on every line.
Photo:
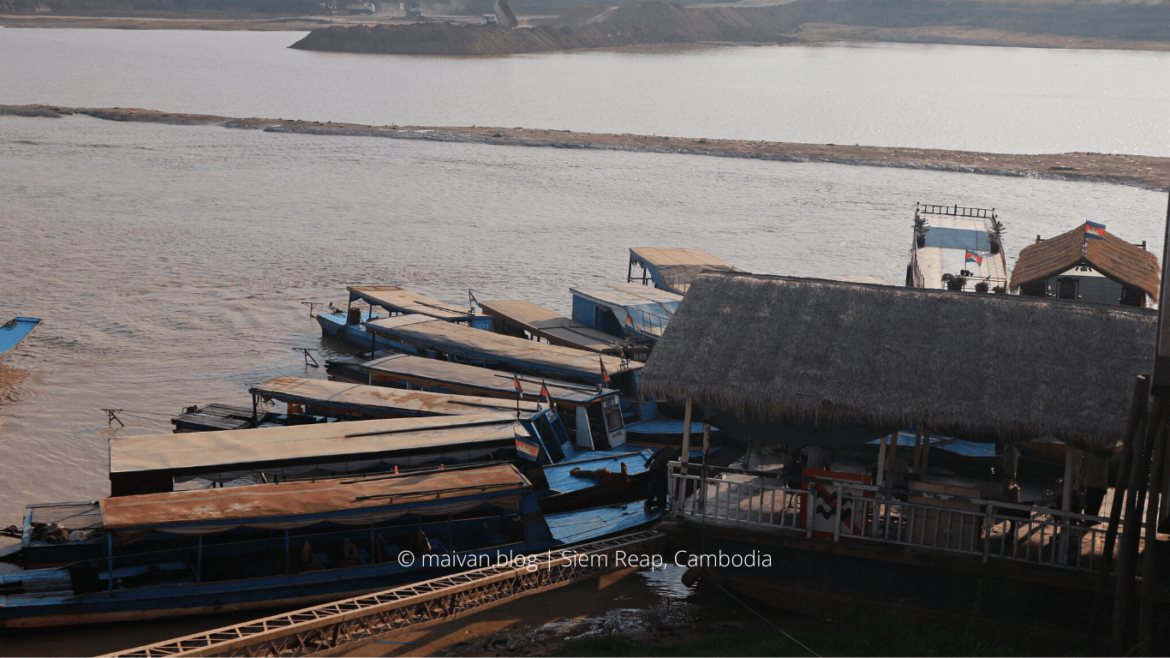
[635,23]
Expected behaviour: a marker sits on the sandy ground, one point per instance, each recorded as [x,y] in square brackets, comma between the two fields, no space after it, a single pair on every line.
[1138,170]
[959,35]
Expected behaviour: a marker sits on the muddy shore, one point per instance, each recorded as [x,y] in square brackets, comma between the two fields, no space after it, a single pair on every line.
[1138,170]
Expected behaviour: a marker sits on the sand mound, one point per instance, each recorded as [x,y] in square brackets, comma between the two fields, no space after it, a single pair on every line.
[635,23]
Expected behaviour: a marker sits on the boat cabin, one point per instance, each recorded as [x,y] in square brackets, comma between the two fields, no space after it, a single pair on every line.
[1088,264]
[625,310]
[524,319]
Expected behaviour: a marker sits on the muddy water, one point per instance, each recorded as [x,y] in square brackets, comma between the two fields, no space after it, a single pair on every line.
[1003,100]
[170,262]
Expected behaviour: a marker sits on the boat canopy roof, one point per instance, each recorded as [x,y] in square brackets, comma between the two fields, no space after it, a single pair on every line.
[493,382]
[299,504]
[381,399]
[446,336]
[14,331]
[632,295]
[401,300]
[363,439]
[673,268]
[556,328]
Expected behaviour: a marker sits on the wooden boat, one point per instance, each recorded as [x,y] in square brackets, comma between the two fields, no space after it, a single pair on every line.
[625,310]
[215,416]
[673,269]
[591,409]
[13,332]
[400,301]
[245,548]
[958,249]
[152,464]
[532,321]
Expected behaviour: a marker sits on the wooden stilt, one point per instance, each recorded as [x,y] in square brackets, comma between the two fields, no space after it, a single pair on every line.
[925,450]
[881,462]
[1149,558]
[1127,552]
[917,449]
[1138,409]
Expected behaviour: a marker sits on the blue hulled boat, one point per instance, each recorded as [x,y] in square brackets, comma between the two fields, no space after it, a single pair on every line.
[298,543]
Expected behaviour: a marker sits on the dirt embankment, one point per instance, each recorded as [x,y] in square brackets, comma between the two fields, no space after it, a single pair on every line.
[651,23]
[1137,170]
[632,24]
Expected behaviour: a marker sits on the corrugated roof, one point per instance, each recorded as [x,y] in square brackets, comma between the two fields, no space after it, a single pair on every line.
[381,399]
[273,502]
[446,334]
[323,442]
[492,382]
[555,328]
[1117,259]
[401,300]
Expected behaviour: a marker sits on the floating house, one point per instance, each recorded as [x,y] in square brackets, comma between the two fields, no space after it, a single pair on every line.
[625,310]
[830,364]
[13,332]
[1088,264]
[958,249]
[529,320]
[672,269]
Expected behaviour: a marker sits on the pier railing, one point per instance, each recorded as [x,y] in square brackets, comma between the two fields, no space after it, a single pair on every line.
[919,520]
[955,211]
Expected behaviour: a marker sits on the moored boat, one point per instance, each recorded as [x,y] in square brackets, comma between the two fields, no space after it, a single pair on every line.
[13,332]
[957,248]
[244,548]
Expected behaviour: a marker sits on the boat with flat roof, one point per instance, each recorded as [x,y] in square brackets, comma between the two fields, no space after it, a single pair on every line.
[524,319]
[625,310]
[957,248]
[671,268]
[210,551]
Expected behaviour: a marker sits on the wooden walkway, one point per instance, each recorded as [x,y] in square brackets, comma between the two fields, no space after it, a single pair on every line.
[341,626]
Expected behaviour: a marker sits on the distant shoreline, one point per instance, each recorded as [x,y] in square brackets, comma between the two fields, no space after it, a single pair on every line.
[807,33]
[1143,171]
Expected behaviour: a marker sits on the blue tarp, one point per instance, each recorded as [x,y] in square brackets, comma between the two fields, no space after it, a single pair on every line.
[574,527]
[14,331]
[957,238]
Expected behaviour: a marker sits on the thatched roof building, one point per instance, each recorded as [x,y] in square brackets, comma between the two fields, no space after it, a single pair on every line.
[1129,265]
[811,357]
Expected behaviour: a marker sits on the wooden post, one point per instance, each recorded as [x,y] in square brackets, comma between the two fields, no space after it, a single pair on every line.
[925,450]
[917,448]
[747,456]
[1127,552]
[706,441]
[881,462]
[703,474]
[1137,414]
[1149,558]
[1066,496]
[686,446]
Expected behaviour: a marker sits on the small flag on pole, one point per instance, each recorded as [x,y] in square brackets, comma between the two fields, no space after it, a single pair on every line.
[1095,230]
[516,382]
[544,394]
[604,374]
[974,258]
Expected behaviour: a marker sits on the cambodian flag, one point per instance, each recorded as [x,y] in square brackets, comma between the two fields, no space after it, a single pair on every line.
[1095,230]
[974,258]
[516,381]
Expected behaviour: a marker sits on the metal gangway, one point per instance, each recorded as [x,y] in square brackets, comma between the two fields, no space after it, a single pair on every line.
[341,626]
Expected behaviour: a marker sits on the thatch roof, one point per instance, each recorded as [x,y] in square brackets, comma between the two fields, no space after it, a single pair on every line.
[1129,265]
[787,351]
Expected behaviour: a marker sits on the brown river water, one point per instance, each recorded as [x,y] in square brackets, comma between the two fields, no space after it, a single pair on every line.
[170,262]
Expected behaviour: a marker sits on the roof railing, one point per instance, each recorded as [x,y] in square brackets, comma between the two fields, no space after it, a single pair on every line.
[955,211]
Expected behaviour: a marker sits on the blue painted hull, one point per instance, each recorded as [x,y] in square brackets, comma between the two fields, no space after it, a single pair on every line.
[14,331]
[333,324]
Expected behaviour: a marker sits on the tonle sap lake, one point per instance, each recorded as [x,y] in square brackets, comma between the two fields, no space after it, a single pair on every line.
[1011,100]
[170,262]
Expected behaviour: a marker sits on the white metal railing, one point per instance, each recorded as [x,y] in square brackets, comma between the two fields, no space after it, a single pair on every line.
[859,512]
